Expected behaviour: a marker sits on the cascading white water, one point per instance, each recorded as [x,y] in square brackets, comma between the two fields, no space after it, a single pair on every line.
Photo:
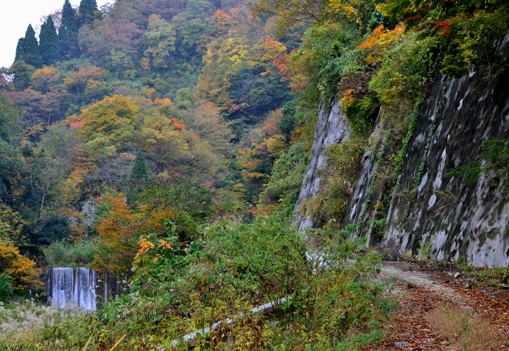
[73,288]
[61,286]
[84,289]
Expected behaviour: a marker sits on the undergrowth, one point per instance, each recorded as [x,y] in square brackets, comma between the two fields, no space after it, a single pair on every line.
[333,305]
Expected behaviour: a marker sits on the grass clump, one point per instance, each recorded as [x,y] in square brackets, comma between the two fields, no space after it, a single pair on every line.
[465,330]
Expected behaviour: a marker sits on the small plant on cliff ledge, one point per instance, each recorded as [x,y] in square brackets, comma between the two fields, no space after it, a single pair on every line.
[496,152]
[494,156]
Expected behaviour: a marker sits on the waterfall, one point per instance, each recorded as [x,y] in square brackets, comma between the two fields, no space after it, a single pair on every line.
[73,288]
[61,287]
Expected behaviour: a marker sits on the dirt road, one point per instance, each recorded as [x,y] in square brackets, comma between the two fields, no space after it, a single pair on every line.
[441,311]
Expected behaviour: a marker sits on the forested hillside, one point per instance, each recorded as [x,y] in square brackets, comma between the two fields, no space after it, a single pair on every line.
[164,144]
[174,106]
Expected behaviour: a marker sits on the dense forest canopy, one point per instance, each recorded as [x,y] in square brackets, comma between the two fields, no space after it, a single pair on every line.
[165,141]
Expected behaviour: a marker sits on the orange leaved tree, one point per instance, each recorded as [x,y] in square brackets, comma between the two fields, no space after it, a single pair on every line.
[118,237]
[121,228]
[21,270]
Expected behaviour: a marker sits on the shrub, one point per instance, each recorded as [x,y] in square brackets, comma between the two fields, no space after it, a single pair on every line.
[361,114]
[6,288]
[241,265]
[319,63]
[263,257]
[405,70]
[496,152]
[63,254]
[474,42]
[283,188]
[399,85]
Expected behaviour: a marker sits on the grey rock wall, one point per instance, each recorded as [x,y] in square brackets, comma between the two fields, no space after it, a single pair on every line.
[332,128]
[434,210]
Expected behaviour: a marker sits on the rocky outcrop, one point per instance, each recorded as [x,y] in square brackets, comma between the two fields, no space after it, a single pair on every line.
[332,128]
[435,208]
[448,201]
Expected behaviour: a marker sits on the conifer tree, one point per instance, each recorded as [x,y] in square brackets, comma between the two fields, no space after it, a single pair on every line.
[139,173]
[30,52]
[68,32]
[88,11]
[20,49]
[139,176]
[48,42]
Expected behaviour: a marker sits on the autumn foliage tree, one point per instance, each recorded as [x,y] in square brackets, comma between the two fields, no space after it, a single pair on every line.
[241,75]
[118,239]
[380,40]
[21,270]
[107,125]
[160,38]
[258,151]
[11,226]
[121,228]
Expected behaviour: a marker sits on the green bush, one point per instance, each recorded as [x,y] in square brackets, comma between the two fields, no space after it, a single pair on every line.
[362,114]
[264,257]
[63,254]
[494,276]
[405,69]
[240,266]
[496,152]
[324,56]
[6,288]
[340,176]
[474,42]
[283,188]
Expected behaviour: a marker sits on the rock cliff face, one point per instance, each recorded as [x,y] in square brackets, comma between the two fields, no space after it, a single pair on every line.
[434,205]
[332,128]
[449,202]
